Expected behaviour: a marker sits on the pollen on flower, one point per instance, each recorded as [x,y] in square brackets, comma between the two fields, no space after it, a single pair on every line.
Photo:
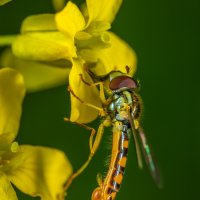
[14,147]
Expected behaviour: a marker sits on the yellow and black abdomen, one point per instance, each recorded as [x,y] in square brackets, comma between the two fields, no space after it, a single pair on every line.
[117,166]
[119,113]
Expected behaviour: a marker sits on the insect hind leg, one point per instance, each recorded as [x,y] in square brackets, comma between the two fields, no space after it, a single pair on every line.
[94,145]
[92,130]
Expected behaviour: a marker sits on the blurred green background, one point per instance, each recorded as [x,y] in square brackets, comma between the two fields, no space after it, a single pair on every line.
[165,35]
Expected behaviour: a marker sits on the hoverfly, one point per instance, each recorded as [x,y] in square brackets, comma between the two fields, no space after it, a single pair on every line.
[121,110]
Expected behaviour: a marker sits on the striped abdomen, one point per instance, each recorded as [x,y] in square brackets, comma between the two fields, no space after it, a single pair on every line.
[113,180]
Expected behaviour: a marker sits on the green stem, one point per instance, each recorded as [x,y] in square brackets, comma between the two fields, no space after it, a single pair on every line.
[6,40]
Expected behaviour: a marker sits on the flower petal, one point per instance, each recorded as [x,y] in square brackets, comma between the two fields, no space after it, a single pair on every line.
[6,190]
[79,112]
[115,58]
[43,172]
[12,92]
[37,75]
[43,46]
[70,20]
[42,22]
[2,2]
[103,10]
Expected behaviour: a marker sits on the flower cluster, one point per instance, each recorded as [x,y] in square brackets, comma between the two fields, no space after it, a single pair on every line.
[35,170]
[50,49]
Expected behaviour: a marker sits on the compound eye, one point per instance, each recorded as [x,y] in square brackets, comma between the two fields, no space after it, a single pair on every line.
[123,81]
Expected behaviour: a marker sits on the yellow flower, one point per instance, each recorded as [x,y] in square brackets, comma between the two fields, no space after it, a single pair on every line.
[101,51]
[37,75]
[82,38]
[38,53]
[2,2]
[36,171]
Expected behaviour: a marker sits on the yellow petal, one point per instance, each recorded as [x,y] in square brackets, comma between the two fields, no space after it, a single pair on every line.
[12,92]
[6,190]
[2,2]
[79,112]
[104,10]
[38,75]
[42,22]
[115,58]
[43,172]
[6,138]
[70,20]
[43,46]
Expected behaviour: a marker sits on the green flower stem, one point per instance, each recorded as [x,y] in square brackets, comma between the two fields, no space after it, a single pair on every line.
[11,147]
[6,40]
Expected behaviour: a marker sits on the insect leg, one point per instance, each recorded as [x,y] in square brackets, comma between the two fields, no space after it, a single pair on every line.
[92,130]
[93,148]
[101,89]
[101,110]
[83,102]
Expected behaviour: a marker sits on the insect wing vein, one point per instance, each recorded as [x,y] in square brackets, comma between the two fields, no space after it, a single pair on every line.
[149,158]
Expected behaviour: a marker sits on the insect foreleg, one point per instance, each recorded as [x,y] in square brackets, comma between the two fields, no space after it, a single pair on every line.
[101,89]
[101,110]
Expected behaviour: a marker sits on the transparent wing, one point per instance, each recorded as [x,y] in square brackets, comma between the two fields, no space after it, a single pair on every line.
[137,147]
[149,158]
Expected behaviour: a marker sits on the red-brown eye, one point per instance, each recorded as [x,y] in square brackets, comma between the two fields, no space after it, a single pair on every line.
[122,81]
